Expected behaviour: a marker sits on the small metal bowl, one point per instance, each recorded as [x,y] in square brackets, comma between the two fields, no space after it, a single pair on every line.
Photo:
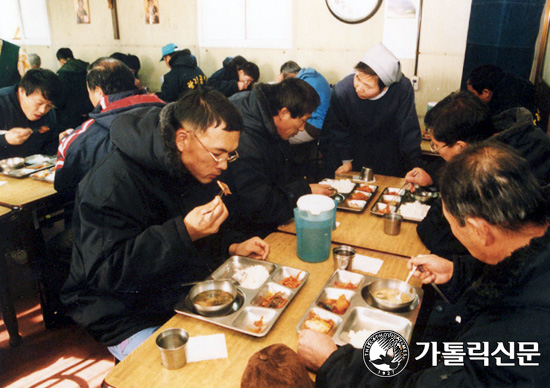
[394,284]
[423,196]
[208,285]
[12,163]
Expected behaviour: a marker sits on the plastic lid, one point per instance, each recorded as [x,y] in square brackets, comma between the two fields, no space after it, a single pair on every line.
[315,203]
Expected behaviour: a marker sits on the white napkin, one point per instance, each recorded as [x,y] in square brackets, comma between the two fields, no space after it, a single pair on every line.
[206,347]
[367,264]
[3,182]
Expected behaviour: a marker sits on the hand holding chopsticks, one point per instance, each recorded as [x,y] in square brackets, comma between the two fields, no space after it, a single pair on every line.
[432,269]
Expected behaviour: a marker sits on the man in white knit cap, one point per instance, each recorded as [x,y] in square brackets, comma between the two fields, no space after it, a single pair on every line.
[372,120]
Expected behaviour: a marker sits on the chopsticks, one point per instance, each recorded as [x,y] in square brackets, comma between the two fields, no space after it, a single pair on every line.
[436,288]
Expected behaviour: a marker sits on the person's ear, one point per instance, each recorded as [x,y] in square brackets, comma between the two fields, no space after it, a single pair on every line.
[482,230]
[181,137]
[284,113]
[486,95]
[461,145]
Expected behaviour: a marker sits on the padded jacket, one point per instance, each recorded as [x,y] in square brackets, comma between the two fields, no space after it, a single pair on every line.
[183,75]
[88,144]
[507,303]
[265,194]
[131,248]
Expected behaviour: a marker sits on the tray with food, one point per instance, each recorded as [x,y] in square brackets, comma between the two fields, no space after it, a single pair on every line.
[47,175]
[412,206]
[263,291]
[351,196]
[351,307]
[28,170]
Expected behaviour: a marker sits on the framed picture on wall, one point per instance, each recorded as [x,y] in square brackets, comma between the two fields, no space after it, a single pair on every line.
[82,9]
[152,12]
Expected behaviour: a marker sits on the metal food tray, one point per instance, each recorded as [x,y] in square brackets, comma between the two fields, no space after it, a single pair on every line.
[361,314]
[360,204]
[246,310]
[28,170]
[404,196]
[48,177]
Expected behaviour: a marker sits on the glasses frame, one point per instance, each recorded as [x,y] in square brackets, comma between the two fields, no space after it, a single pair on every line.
[228,159]
[436,149]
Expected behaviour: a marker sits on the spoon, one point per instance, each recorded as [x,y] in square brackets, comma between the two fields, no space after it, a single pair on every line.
[406,281]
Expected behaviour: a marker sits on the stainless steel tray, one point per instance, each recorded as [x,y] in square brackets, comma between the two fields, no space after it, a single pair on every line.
[246,310]
[27,170]
[380,208]
[357,205]
[361,314]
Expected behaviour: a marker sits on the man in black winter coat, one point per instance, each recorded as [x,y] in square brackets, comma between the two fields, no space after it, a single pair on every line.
[145,221]
[184,74]
[75,105]
[494,334]
[28,124]
[265,192]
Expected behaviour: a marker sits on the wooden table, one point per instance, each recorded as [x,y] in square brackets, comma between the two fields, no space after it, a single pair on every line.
[366,230]
[142,367]
[24,192]
[22,198]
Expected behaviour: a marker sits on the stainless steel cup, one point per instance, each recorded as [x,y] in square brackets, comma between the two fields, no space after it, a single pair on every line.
[342,256]
[392,224]
[171,344]
[367,174]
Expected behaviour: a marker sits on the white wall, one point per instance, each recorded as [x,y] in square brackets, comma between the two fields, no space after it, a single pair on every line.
[320,41]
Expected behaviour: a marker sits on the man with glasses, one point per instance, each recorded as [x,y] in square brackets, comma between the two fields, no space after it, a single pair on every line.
[372,120]
[456,122]
[28,125]
[265,191]
[148,218]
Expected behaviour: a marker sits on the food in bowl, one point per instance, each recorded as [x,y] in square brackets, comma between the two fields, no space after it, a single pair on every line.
[347,285]
[251,277]
[323,326]
[337,306]
[213,298]
[391,295]
[292,281]
[273,300]
[359,195]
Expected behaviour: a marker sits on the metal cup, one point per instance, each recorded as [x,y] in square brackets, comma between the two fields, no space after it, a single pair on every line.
[342,256]
[171,344]
[392,223]
[367,174]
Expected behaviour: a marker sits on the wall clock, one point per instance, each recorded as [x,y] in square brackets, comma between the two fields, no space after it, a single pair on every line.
[353,11]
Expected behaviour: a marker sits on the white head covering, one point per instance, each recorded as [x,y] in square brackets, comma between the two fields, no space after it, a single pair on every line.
[384,64]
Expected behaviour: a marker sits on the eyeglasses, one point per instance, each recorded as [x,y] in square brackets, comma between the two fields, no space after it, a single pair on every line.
[435,148]
[228,159]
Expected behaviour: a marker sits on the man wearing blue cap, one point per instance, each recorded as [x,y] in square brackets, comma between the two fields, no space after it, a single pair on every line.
[184,73]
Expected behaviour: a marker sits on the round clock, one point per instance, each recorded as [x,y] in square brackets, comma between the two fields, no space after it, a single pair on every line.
[353,11]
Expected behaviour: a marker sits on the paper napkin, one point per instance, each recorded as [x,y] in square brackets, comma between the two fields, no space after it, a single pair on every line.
[206,347]
[366,264]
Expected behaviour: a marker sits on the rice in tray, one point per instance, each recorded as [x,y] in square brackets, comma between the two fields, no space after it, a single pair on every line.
[251,277]
[357,338]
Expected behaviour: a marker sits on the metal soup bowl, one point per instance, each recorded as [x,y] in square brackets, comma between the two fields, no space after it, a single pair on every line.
[12,163]
[423,196]
[207,285]
[391,284]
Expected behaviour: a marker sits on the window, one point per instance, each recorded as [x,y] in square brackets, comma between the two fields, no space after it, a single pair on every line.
[25,22]
[245,23]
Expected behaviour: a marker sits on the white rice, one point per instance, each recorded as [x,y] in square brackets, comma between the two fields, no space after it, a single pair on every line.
[357,338]
[343,186]
[415,210]
[251,277]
